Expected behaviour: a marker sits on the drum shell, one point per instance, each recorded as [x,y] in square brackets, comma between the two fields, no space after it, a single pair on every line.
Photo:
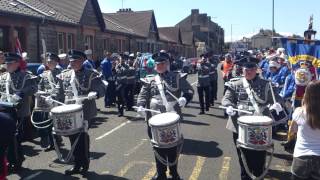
[246,141]
[172,132]
[67,123]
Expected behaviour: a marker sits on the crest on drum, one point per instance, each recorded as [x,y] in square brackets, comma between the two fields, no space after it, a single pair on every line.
[168,135]
[258,135]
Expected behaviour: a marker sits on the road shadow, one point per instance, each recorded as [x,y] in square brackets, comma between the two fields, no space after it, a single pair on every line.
[94,176]
[188,115]
[184,121]
[42,174]
[64,152]
[287,157]
[193,106]
[30,150]
[217,116]
[201,148]
[95,122]
[276,174]
[110,112]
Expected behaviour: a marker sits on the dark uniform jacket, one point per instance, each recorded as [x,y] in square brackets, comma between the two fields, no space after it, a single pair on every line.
[203,74]
[174,82]
[49,82]
[237,97]
[87,80]
[23,84]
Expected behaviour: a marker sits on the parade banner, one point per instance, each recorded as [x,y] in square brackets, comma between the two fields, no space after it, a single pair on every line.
[301,50]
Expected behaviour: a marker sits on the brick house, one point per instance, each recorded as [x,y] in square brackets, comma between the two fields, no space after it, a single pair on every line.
[205,31]
[63,25]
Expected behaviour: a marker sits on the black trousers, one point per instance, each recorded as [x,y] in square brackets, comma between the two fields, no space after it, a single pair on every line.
[130,90]
[81,152]
[254,159]
[121,97]
[171,155]
[204,100]
[109,97]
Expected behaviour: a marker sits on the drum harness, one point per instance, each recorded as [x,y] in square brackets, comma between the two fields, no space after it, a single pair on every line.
[256,107]
[165,102]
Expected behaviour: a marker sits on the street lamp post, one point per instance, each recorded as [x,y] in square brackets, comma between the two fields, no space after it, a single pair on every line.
[272,22]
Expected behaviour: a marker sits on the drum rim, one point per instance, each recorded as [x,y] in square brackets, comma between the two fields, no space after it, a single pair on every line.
[255,147]
[257,123]
[176,121]
[79,108]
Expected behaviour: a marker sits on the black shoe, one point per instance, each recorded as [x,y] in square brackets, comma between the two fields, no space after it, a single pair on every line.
[49,148]
[207,108]
[159,177]
[73,170]
[85,168]
[201,112]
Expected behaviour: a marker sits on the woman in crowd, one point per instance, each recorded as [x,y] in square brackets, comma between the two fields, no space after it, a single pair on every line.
[306,120]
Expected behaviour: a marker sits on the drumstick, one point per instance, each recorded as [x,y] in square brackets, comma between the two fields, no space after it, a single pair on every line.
[174,97]
[151,110]
[79,98]
[272,93]
[58,102]
[194,83]
[244,111]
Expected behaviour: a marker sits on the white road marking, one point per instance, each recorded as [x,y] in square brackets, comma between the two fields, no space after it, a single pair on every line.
[136,147]
[112,130]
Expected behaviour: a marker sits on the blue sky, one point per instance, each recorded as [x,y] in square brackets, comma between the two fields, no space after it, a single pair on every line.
[246,16]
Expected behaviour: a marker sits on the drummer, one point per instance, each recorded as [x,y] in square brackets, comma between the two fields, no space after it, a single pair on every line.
[87,83]
[49,83]
[236,97]
[149,97]
[19,86]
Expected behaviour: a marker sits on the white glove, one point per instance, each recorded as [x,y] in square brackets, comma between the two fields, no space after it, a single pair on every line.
[230,111]
[15,98]
[277,107]
[49,100]
[182,101]
[92,95]
[141,111]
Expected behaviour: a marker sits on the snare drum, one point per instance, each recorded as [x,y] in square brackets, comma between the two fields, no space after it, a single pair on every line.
[281,118]
[255,132]
[165,129]
[40,102]
[67,119]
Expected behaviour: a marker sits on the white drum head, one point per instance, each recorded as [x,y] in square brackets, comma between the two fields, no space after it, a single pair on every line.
[66,108]
[255,120]
[164,119]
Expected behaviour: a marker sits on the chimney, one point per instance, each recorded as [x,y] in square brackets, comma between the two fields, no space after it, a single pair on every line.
[194,11]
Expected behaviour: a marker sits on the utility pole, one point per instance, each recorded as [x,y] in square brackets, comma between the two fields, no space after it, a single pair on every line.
[272,21]
[231,33]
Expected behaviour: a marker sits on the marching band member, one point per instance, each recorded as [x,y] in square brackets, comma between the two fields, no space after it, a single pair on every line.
[213,77]
[89,62]
[80,81]
[19,86]
[155,97]
[107,67]
[236,96]
[131,83]
[121,70]
[203,85]
[49,83]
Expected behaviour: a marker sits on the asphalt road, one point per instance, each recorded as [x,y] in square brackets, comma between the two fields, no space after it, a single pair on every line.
[120,149]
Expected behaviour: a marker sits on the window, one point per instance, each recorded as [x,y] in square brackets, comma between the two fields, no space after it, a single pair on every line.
[70,44]
[1,39]
[124,47]
[61,42]
[106,44]
[119,45]
[89,42]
